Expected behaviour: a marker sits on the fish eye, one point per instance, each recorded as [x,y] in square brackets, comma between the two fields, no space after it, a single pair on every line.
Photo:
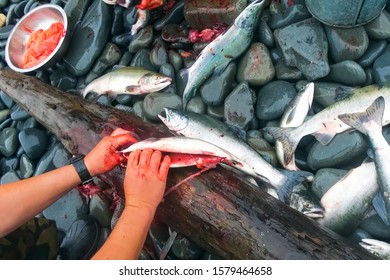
[307,204]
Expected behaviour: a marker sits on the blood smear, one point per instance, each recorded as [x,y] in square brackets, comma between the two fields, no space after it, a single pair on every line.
[42,43]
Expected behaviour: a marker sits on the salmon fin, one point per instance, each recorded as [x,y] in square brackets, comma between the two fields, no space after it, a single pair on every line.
[293,178]
[132,89]
[289,144]
[324,138]
[291,116]
[379,205]
[361,121]
[342,93]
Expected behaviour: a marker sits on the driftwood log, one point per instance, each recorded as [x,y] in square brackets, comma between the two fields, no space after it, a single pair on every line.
[220,211]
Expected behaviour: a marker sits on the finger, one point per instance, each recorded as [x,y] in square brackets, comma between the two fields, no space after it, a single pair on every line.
[119,131]
[122,139]
[134,159]
[155,161]
[145,157]
[164,167]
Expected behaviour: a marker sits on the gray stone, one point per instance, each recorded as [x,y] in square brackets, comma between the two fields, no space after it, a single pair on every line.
[346,43]
[358,235]
[138,109]
[381,69]
[196,105]
[75,10]
[375,226]
[304,45]
[141,59]
[375,48]
[347,72]
[284,72]
[273,98]
[26,167]
[175,59]
[4,114]
[3,3]
[117,21]
[255,66]
[99,208]
[61,157]
[175,15]
[9,142]
[63,79]
[239,104]
[168,70]
[218,86]
[8,101]
[45,163]
[141,40]
[344,148]
[158,54]
[124,99]
[9,177]
[5,31]
[290,15]
[379,28]
[154,104]
[125,59]
[123,39]
[34,142]
[66,210]
[89,39]
[9,164]
[18,114]
[264,34]
[325,178]
[216,111]
[129,18]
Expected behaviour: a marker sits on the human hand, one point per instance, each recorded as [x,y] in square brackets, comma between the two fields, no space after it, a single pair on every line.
[145,178]
[149,4]
[105,156]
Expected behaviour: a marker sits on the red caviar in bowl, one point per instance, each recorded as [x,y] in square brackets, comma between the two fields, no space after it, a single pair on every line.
[42,43]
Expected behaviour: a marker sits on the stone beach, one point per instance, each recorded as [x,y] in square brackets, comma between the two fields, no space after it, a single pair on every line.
[289,49]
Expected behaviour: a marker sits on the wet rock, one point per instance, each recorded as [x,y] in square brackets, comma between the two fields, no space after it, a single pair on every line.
[75,10]
[346,43]
[9,164]
[369,77]
[174,33]
[202,14]
[3,3]
[264,34]
[379,28]
[34,142]
[5,31]
[4,114]
[129,18]
[141,40]
[117,21]
[175,15]
[375,226]
[99,208]
[239,109]
[185,249]
[154,104]
[218,86]
[359,234]
[284,72]
[7,101]
[325,178]
[344,148]
[61,157]
[196,105]
[381,69]
[18,114]
[7,123]
[45,163]
[327,93]
[175,59]
[104,99]
[109,57]
[291,14]
[375,48]
[158,55]
[125,59]
[124,108]
[273,98]
[216,111]
[138,109]
[167,70]
[124,99]
[141,59]
[304,45]
[2,20]
[89,39]
[123,39]
[63,79]
[19,8]
[26,167]
[9,177]
[9,142]
[256,141]
[255,66]
[347,72]
[66,210]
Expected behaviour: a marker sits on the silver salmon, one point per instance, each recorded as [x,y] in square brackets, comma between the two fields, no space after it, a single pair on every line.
[326,124]
[376,247]
[127,80]
[369,123]
[229,45]
[209,129]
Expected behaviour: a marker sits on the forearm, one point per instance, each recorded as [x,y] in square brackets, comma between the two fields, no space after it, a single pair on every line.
[22,200]
[128,236]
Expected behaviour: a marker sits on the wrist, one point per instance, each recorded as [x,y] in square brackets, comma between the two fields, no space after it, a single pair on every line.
[81,169]
[143,211]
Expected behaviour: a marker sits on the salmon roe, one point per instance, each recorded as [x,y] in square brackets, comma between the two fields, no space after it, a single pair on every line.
[42,43]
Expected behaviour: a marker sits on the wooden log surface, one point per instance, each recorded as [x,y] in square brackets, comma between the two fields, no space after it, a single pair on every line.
[219,210]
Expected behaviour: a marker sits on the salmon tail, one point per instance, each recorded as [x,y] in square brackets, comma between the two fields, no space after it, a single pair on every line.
[293,178]
[363,121]
[288,140]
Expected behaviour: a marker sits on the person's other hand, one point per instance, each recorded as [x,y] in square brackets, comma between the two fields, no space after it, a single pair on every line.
[104,156]
[145,178]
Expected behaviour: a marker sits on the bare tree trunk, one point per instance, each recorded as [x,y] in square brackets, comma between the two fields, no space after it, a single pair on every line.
[219,210]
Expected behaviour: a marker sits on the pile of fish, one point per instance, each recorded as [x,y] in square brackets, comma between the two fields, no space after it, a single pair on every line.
[355,205]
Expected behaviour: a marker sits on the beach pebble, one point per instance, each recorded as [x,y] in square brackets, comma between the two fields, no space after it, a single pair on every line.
[196,105]
[141,40]
[27,167]
[141,59]
[379,28]
[175,15]
[154,104]
[9,142]
[34,142]
[347,72]
[375,226]
[255,66]
[326,93]
[381,69]
[325,178]
[273,98]
[343,149]
[375,49]
[292,14]
[9,177]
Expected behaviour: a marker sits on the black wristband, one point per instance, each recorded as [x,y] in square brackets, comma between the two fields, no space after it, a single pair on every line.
[82,170]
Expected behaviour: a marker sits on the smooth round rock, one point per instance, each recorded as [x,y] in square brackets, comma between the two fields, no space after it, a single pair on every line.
[9,164]
[19,114]
[9,177]
[141,40]
[344,148]
[4,114]
[326,93]
[347,72]
[8,101]
[381,69]
[26,167]
[375,226]
[273,98]
[216,111]
[325,178]
[375,49]
[359,234]
[379,28]
[141,59]
[154,104]
[34,142]
[9,142]
[196,105]
[158,55]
